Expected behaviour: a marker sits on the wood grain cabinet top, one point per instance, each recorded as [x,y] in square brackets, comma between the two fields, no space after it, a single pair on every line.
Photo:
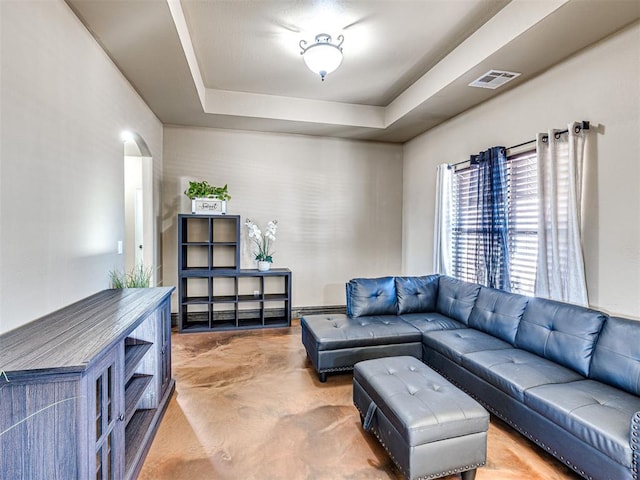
[71,338]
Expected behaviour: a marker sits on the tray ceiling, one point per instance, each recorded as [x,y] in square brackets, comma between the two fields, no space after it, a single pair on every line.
[407,64]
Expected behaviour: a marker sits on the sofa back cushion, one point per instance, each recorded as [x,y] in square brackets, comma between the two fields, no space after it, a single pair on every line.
[616,360]
[371,296]
[417,294]
[561,332]
[498,313]
[456,298]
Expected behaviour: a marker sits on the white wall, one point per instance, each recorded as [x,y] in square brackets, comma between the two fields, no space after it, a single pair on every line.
[601,84]
[338,202]
[63,105]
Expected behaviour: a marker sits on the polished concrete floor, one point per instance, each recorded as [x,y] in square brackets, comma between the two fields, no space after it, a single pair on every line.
[248,405]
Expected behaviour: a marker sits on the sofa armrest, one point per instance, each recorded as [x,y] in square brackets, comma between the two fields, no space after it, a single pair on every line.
[635,443]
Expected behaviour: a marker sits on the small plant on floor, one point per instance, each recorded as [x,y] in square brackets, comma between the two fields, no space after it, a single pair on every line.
[138,277]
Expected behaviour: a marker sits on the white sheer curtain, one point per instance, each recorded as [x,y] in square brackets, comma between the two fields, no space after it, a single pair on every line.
[442,222]
[560,269]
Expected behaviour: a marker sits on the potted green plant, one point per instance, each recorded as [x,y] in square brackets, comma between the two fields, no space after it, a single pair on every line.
[207,199]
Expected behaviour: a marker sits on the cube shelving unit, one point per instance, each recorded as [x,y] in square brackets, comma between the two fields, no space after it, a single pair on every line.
[214,292]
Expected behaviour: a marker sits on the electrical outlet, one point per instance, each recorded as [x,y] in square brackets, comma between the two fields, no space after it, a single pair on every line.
[120,249]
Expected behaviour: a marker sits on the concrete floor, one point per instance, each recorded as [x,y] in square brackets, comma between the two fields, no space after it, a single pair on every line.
[248,405]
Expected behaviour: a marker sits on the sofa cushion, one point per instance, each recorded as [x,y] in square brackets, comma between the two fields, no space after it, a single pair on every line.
[514,371]
[332,332]
[598,414]
[453,344]
[498,313]
[560,332]
[428,322]
[616,359]
[371,296]
[456,298]
[417,294]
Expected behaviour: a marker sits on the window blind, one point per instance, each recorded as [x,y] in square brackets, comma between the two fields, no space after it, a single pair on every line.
[465,236]
[522,211]
[523,221]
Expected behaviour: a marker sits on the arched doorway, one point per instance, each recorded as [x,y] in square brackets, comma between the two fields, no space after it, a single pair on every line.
[138,205]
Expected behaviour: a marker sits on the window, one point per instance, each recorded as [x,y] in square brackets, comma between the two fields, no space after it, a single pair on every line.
[522,232]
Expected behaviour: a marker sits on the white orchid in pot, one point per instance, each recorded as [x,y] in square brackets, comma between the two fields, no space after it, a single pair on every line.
[263,242]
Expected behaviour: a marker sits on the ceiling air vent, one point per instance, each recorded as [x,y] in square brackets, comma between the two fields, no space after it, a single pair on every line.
[494,79]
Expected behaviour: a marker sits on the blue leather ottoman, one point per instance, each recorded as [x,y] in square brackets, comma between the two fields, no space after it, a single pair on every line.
[429,427]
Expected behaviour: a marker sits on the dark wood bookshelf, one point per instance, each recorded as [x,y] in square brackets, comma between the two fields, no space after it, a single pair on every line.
[214,292]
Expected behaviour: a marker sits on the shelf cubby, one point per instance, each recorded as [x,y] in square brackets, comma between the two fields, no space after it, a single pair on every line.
[134,352]
[135,434]
[133,392]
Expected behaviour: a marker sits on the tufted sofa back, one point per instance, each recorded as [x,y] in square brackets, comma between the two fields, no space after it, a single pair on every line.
[417,294]
[561,332]
[616,360]
[498,313]
[371,296]
[456,298]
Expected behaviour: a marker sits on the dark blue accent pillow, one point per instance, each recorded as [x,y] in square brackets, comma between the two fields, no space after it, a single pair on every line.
[417,294]
[371,296]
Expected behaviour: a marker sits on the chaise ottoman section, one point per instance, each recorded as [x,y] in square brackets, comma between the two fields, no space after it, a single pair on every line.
[429,427]
[336,343]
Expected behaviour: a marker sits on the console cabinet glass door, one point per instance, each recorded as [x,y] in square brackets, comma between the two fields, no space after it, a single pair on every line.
[107,408]
[165,343]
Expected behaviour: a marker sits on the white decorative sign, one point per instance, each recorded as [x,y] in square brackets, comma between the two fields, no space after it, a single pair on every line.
[208,206]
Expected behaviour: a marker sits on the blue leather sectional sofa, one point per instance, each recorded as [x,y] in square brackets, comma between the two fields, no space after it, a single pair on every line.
[566,377]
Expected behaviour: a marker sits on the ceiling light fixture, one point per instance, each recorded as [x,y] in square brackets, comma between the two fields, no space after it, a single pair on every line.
[323,57]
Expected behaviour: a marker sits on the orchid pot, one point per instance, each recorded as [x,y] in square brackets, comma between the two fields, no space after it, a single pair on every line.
[264,266]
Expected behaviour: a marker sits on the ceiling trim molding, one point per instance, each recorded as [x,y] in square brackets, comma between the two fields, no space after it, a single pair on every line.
[225,102]
[177,14]
[509,23]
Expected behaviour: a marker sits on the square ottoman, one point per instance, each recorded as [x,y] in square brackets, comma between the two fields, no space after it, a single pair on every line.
[429,427]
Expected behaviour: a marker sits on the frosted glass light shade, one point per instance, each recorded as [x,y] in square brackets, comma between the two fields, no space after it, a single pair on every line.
[323,57]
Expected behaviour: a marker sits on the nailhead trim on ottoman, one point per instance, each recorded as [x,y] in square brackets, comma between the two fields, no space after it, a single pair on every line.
[429,427]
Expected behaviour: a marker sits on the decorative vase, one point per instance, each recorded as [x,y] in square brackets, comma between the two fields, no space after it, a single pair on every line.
[264,266]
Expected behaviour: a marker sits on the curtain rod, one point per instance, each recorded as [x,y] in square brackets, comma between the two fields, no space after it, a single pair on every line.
[583,125]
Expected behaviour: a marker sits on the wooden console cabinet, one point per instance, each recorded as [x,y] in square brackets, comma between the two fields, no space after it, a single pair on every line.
[83,389]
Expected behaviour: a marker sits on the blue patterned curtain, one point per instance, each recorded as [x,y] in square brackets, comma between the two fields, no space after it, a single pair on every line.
[492,254]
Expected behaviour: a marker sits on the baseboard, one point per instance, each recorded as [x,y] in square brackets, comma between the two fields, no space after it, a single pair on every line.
[296,312]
